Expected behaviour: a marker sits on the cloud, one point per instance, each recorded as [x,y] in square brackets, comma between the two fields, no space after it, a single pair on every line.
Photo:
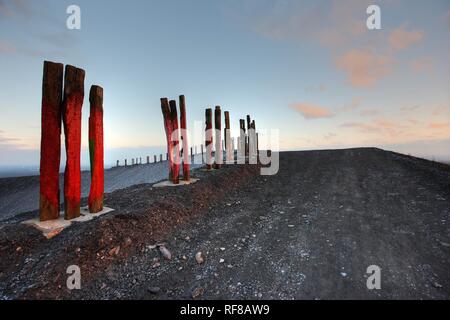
[10,143]
[422,65]
[369,112]
[355,103]
[9,8]
[332,24]
[409,108]
[400,38]
[363,127]
[6,47]
[381,126]
[364,67]
[438,125]
[310,111]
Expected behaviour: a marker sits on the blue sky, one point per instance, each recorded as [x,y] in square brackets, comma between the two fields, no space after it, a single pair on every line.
[308,68]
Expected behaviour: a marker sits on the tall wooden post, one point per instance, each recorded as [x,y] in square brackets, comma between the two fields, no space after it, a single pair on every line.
[184,139]
[95,199]
[228,149]
[165,108]
[175,141]
[72,105]
[218,129]
[52,85]
[252,143]
[242,141]
[154,158]
[247,139]
[208,139]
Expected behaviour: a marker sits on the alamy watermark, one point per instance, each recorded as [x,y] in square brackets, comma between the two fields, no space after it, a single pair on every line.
[374,279]
[373,22]
[73,21]
[74,278]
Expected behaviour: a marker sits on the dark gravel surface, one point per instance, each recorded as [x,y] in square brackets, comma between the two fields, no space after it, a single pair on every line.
[309,232]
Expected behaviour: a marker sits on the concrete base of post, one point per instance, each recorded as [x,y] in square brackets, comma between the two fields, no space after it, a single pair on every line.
[52,228]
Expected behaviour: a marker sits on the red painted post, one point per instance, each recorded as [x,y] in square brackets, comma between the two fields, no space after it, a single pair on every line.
[52,84]
[218,130]
[184,139]
[72,105]
[208,138]
[175,141]
[95,200]
[165,108]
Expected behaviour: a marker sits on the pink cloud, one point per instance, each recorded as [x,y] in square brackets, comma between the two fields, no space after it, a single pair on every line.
[401,38]
[384,123]
[438,125]
[310,111]
[364,127]
[364,67]
[422,65]
[381,126]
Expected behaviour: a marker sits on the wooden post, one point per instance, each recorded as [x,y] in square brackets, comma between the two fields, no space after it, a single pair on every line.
[257,145]
[125,162]
[233,148]
[154,158]
[242,141]
[247,139]
[218,129]
[72,105]
[160,158]
[208,139]
[192,155]
[229,152]
[165,108]
[132,161]
[175,141]
[184,139]
[201,150]
[252,143]
[52,84]
[95,200]
[148,159]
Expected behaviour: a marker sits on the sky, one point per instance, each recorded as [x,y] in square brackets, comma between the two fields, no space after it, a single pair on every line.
[310,69]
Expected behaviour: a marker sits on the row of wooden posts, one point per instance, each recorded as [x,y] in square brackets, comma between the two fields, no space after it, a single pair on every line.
[193,152]
[247,142]
[62,101]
